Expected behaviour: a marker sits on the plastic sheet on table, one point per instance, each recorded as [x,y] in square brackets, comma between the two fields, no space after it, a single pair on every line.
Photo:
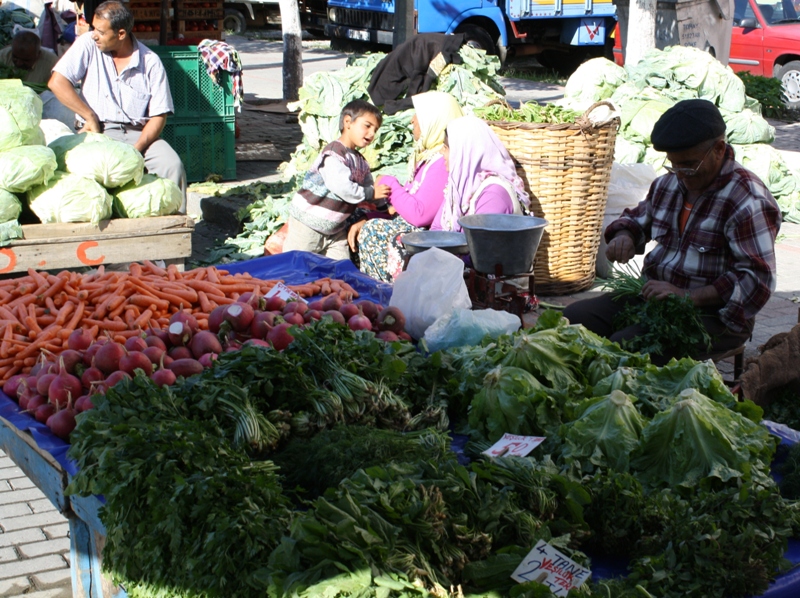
[299,267]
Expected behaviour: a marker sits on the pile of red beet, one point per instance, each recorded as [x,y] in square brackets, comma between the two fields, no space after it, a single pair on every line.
[61,386]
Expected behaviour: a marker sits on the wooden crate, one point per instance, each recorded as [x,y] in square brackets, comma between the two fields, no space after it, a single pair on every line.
[121,240]
[147,19]
[206,16]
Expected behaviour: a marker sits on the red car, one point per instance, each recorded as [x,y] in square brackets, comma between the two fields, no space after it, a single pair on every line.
[766,41]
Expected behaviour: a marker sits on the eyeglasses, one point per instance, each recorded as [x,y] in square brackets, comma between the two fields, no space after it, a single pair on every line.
[689,171]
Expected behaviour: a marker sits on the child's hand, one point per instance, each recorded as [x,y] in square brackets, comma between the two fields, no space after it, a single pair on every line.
[382,192]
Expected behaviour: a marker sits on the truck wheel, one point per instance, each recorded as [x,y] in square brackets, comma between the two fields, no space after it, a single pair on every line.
[478,37]
[790,77]
[234,21]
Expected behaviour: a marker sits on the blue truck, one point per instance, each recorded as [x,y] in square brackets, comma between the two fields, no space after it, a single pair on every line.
[561,33]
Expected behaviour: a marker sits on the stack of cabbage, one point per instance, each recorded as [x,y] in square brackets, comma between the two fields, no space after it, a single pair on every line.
[67,181]
[91,163]
[23,163]
[643,92]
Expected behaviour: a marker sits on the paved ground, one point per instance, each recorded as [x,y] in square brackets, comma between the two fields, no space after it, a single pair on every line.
[34,544]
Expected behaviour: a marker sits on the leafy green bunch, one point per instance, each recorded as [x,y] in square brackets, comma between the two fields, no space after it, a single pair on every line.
[177,490]
[767,90]
[671,325]
[421,527]
[528,112]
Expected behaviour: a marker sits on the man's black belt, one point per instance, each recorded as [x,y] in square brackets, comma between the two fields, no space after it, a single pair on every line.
[122,126]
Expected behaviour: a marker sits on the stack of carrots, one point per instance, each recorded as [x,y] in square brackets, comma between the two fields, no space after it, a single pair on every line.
[39,311]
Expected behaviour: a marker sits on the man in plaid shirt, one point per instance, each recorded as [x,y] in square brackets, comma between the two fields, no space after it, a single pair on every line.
[715,223]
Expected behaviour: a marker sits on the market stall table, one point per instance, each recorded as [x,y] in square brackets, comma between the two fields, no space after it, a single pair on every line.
[42,456]
[120,240]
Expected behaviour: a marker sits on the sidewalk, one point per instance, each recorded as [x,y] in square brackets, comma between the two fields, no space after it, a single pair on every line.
[34,543]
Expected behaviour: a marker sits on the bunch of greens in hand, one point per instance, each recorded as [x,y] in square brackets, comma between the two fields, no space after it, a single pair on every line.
[671,325]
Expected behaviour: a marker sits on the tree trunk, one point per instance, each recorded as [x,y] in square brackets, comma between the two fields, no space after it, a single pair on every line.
[641,34]
[292,49]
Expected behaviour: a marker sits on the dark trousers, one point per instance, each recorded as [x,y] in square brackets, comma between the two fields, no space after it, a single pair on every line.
[598,314]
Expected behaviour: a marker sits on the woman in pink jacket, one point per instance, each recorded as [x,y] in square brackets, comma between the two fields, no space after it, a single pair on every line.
[482,177]
[416,203]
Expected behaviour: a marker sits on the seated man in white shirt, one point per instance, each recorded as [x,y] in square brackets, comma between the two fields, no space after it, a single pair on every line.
[124,90]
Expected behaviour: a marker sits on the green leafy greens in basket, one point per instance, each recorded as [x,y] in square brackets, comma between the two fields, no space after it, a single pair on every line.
[529,112]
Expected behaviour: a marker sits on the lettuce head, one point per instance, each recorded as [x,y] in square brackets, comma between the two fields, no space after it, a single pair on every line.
[546,355]
[110,163]
[70,198]
[606,433]
[24,167]
[506,403]
[153,196]
[698,438]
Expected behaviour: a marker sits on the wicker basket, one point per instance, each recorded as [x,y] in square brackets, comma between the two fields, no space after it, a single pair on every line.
[566,168]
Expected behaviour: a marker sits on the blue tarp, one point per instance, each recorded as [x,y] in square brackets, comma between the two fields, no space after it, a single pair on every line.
[297,267]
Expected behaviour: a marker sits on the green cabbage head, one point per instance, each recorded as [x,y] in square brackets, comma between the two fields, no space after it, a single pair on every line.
[24,167]
[153,196]
[10,206]
[111,163]
[20,114]
[70,198]
[64,144]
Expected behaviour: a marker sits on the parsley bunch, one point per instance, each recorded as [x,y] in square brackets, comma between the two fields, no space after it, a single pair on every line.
[671,325]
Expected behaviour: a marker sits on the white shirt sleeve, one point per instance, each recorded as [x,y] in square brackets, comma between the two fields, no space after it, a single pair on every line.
[74,63]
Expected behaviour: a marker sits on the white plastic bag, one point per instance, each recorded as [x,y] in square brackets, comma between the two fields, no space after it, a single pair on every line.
[432,286]
[627,187]
[467,327]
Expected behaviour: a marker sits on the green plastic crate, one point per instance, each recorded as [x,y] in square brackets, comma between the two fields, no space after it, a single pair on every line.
[206,146]
[194,92]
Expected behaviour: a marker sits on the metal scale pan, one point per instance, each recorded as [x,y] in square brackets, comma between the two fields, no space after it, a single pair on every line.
[419,241]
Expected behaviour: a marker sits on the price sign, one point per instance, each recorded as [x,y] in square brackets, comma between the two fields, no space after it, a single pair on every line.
[548,566]
[284,292]
[511,445]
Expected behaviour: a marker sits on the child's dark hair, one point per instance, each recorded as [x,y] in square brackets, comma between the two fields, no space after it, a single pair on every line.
[355,109]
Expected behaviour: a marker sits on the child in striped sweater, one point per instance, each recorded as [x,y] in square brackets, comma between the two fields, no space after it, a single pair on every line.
[337,182]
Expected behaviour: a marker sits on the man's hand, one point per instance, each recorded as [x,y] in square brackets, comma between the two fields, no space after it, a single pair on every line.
[91,125]
[658,290]
[65,92]
[381,191]
[621,248]
[150,132]
[352,235]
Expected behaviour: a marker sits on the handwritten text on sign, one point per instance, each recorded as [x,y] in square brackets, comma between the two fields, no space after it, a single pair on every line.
[548,566]
[511,445]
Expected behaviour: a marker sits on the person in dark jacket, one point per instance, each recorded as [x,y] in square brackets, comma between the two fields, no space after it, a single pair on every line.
[411,68]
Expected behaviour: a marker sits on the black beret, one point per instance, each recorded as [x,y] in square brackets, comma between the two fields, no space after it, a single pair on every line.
[687,124]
